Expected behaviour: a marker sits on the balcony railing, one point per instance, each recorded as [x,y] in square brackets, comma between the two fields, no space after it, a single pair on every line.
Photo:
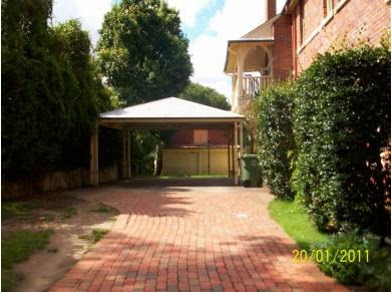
[253,85]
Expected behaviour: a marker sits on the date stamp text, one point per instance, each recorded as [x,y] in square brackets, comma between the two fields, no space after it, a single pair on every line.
[337,256]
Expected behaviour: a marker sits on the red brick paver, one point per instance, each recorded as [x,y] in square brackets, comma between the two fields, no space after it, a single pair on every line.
[192,239]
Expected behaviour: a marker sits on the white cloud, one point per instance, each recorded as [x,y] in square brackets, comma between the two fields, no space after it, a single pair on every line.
[90,13]
[189,9]
[237,18]
[208,51]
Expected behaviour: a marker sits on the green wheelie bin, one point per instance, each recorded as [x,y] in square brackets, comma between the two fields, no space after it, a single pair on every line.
[250,171]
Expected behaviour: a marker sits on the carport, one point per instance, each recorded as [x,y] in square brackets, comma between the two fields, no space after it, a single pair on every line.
[168,114]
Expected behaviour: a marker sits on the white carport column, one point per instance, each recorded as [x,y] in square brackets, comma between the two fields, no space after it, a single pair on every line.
[235,166]
[94,166]
[129,153]
[126,173]
[240,150]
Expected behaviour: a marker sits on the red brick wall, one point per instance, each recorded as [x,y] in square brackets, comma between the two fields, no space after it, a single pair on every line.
[185,137]
[182,137]
[282,50]
[313,13]
[355,21]
[271,9]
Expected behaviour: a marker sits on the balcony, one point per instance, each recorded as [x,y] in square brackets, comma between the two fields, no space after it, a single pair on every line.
[252,85]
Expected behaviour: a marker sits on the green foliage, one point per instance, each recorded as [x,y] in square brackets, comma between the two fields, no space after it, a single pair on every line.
[11,209]
[17,247]
[143,52]
[274,112]
[51,91]
[342,124]
[95,236]
[143,151]
[296,222]
[8,278]
[110,146]
[69,212]
[353,259]
[205,95]
[144,56]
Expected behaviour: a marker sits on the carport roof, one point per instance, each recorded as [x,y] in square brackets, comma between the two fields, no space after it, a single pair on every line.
[170,108]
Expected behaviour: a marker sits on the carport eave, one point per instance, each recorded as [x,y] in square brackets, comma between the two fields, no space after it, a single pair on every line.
[149,121]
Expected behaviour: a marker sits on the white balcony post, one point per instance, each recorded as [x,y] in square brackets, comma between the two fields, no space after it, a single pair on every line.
[240,64]
[270,60]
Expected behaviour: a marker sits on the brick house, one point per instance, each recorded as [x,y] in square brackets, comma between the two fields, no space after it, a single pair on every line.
[287,43]
[320,24]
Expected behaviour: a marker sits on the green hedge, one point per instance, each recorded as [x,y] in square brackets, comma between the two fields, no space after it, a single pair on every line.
[355,260]
[342,124]
[276,138]
[51,91]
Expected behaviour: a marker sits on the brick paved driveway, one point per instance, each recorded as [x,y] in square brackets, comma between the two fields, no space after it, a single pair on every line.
[192,238]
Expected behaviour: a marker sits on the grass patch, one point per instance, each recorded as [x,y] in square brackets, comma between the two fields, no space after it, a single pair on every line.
[69,212]
[102,208]
[374,274]
[95,235]
[296,223]
[17,247]
[8,279]
[11,209]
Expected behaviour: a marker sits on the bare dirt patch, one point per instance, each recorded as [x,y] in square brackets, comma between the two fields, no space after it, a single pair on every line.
[72,220]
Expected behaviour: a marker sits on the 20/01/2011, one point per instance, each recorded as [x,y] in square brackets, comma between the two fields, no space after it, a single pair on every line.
[340,255]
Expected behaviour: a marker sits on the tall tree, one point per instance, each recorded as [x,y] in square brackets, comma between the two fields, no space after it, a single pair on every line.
[205,95]
[143,52]
[51,92]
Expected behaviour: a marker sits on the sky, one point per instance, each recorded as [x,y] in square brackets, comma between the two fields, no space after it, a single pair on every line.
[208,24]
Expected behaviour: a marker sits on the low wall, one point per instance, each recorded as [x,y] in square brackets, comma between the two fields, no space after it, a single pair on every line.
[194,161]
[59,180]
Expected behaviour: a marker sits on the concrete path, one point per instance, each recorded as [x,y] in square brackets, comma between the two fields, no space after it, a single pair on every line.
[191,237]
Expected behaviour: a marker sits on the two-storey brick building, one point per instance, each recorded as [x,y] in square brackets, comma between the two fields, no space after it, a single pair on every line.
[287,43]
[320,24]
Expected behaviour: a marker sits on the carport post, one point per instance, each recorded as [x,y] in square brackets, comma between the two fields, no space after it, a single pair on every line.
[228,152]
[94,167]
[129,153]
[241,144]
[232,153]
[126,154]
[235,153]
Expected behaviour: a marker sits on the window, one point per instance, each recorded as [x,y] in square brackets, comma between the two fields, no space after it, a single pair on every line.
[200,137]
[328,7]
[302,21]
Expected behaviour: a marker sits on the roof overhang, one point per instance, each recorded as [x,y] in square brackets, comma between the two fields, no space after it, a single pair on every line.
[291,4]
[168,113]
[234,45]
[167,124]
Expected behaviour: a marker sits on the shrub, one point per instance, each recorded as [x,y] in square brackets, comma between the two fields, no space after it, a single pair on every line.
[276,138]
[342,123]
[358,261]
[51,91]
